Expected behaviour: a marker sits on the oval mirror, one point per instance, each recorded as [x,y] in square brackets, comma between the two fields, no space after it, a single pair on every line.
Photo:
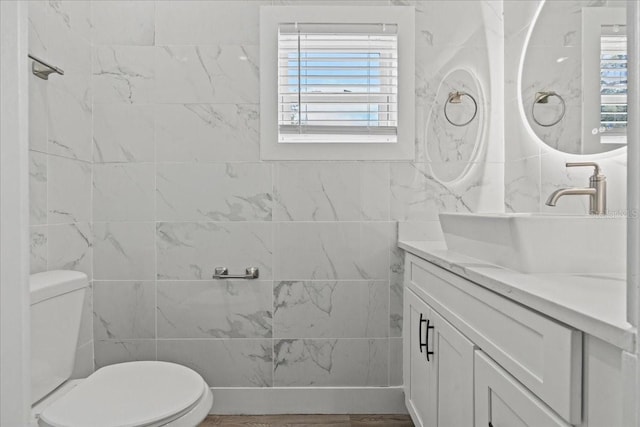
[454,127]
[574,76]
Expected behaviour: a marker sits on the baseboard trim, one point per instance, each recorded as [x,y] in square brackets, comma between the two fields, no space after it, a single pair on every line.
[308,400]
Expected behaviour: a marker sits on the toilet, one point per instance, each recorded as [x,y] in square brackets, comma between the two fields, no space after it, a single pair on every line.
[148,393]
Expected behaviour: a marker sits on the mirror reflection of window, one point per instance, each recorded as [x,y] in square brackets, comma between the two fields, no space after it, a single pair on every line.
[613,84]
[604,79]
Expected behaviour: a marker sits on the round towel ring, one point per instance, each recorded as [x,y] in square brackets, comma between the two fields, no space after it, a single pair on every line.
[543,98]
[454,98]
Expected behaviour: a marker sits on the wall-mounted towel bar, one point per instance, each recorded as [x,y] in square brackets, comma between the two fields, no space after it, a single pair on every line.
[42,69]
[223,273]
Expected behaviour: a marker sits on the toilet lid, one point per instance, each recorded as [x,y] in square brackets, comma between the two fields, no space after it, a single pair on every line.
[126,395]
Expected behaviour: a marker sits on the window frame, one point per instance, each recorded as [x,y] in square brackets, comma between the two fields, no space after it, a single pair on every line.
[270,147]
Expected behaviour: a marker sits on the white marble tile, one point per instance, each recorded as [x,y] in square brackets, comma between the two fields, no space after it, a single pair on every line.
[416,195]
[69,247]
[193,250]
[395,362]
[337,362]
[66,48]
[71,16]
[84,365]
[124,23]
[85,334]
[317,192]
[375,197]
[37,188]
[37,20]
[420,230]
[124,251]
[615,168]
[396,292]
[38,248]
[69,108]
[214,192]
[468,28]
[218,309]
[38,114]
[69,188]
[521,143]
[124,310]
[123,192]
[354,309]
[225,363]
[207,74]
[123,74]
[334,251]
[207,132]
[522,185]
[119,351]
[209,22]
[123,133]
[331,191]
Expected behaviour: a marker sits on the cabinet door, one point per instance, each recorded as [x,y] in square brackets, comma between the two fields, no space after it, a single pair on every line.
[438,368]
[501,401]
[453,365]
[417,370]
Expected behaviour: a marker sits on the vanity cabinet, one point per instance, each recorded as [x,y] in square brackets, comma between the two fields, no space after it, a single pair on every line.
[473,357]
[439,360]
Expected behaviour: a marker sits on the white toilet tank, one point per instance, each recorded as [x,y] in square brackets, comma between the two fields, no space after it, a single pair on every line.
[57,298]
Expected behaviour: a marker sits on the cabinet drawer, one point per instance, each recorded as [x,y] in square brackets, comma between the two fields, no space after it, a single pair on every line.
[544,355]
[501,401]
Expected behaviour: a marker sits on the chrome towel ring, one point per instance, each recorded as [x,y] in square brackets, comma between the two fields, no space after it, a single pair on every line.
[543,98]
[456,98]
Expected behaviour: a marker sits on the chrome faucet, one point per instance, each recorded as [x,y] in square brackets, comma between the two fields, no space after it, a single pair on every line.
[597,190]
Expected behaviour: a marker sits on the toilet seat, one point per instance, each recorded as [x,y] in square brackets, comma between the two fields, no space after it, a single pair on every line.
[132,394]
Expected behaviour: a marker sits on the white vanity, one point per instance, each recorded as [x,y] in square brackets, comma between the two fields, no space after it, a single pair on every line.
[488,346]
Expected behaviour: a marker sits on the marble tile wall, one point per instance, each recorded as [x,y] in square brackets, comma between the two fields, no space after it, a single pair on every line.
[60,111]
[534,170]
[179,189]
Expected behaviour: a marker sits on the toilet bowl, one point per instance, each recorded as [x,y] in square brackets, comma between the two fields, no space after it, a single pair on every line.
[131,394]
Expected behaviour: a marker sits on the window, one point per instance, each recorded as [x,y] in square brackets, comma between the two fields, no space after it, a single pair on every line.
[337,83]
[604,78]
[613,83]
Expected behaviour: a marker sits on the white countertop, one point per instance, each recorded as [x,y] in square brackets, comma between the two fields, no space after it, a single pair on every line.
[594,304]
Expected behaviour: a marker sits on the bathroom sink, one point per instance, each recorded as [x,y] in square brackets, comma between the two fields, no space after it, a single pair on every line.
[540,243]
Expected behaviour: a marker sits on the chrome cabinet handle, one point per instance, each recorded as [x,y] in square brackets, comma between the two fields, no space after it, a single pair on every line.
[223,273]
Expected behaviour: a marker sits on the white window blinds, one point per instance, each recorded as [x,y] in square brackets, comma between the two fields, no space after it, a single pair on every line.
[613,82]
[337,82]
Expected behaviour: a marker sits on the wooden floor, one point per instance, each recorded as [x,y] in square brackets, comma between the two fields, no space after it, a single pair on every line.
[307,420]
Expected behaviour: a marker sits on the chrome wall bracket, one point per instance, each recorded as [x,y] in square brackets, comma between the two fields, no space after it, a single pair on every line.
[42,69]
[223,273]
